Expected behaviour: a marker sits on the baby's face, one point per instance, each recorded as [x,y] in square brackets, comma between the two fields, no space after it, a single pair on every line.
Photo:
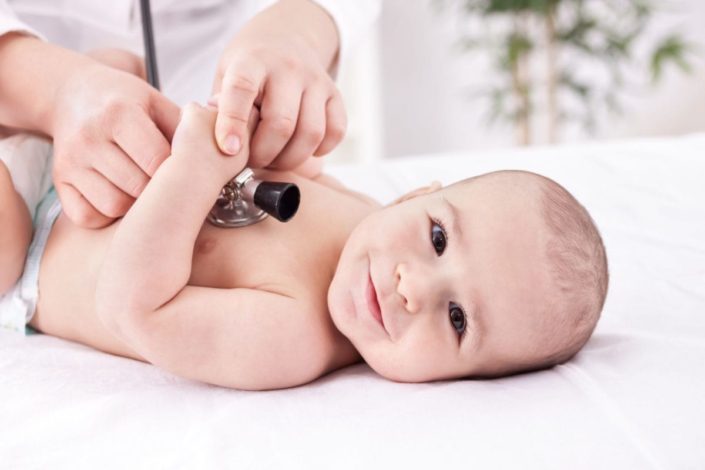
[446,284]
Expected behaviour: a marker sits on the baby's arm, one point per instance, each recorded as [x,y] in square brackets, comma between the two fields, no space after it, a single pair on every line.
[242,338]
[15,231]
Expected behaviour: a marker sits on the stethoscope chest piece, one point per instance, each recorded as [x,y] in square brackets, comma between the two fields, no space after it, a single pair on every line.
[233,208]
[246,200]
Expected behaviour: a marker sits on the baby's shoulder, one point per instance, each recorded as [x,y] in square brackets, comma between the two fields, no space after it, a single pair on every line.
[329,181]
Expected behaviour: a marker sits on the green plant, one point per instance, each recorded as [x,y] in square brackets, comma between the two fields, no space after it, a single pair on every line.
[521,35]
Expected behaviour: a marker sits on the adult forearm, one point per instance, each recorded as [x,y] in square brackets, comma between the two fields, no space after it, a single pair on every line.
[32,74]
[304,19]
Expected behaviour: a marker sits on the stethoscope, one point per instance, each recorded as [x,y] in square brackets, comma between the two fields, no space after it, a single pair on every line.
[244,200]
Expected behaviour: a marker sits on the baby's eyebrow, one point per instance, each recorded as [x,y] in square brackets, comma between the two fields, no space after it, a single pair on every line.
[455,214]
[475,318]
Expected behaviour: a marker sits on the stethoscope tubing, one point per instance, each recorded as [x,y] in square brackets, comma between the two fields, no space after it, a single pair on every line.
[150,53]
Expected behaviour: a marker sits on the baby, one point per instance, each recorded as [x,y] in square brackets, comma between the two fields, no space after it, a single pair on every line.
[494,275]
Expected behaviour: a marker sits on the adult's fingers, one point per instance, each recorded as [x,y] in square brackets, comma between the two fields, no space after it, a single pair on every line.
[118,168]
[138,136]
[336,124]
[253,120]
[102,194]
[278,119]
[240,86]
[165,114]
[78,209]
[309,131]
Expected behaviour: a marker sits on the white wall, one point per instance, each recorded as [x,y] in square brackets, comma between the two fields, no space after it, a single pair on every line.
[424,85]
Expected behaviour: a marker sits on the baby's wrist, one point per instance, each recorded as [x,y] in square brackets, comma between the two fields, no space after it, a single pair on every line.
[208,172]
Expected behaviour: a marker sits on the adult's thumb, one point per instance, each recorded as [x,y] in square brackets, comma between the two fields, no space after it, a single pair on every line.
[229,133]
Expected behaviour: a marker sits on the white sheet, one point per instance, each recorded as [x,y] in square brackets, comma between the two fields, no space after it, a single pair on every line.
[633,398]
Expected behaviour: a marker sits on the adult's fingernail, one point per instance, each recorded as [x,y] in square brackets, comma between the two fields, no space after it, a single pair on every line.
[232,144]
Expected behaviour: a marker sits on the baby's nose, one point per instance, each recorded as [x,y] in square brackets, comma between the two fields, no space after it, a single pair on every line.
[409,291]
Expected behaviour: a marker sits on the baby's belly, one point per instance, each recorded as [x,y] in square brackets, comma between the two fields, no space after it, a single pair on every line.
[69,265]
[67,280]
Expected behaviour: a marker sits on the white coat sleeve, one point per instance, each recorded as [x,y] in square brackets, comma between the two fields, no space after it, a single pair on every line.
[353,18]
[10,23]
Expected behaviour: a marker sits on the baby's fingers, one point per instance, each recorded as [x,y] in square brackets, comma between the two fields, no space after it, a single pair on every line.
[239,89]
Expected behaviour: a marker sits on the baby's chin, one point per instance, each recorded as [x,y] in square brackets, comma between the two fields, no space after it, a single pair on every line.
[403,375]
[402,372]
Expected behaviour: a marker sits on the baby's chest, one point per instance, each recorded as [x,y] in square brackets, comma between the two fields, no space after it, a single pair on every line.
[282,262]
[274,257]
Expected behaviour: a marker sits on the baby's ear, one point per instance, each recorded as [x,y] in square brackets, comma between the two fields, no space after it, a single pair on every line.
[431,188]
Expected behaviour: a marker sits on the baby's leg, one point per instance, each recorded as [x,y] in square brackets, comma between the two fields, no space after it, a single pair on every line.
[15,231]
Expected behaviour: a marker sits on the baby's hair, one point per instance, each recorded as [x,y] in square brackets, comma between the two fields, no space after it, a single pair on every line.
[574,255]
[578,269]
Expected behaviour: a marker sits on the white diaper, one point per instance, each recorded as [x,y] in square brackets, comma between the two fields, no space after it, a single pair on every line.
[29,160]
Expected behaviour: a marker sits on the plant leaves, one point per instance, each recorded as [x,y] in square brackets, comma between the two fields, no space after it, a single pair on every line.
[671,50]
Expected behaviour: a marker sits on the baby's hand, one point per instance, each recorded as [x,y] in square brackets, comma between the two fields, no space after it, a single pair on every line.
[195,143]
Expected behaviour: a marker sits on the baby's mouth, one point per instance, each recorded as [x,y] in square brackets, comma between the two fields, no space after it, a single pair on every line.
[373,302]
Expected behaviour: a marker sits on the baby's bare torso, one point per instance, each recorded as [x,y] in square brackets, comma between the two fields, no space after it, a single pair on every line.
[297,258]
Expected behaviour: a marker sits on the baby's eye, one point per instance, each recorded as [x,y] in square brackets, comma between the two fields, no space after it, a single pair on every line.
[457,317]
[438,237]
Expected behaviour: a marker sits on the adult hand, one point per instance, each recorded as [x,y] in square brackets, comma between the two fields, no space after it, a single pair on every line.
[111,132]
[271,65]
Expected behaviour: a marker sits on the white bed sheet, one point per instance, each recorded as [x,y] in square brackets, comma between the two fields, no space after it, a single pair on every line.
[633,398]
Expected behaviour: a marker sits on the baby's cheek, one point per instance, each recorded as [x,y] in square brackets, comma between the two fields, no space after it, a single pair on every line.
[388,361]
[385,228]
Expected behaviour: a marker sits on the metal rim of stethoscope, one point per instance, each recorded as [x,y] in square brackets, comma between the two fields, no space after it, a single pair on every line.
[244,200]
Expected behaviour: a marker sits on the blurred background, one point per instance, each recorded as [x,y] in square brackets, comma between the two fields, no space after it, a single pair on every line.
[464,75]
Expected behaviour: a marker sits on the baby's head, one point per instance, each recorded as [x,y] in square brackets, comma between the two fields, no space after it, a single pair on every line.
[497,274]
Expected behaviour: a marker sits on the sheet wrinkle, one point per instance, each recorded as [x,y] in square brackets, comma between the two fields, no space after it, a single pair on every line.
[684,290]
[583,382]
[664,244]
[639,335]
